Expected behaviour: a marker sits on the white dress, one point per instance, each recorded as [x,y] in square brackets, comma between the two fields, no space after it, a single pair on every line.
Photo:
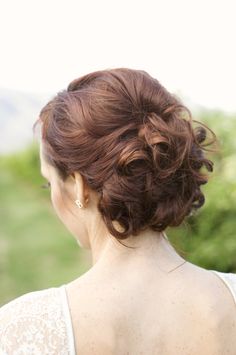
[39,323]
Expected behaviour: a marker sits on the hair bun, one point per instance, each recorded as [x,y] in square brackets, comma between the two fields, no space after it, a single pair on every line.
[134,143]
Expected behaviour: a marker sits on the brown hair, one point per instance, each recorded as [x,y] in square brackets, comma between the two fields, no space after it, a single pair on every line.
[134,143]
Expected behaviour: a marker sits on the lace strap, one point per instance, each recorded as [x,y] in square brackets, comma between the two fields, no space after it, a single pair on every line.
[37,323]
[67,315]
[230,281]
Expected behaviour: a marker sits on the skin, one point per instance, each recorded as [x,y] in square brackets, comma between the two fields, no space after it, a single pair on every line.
[146,300]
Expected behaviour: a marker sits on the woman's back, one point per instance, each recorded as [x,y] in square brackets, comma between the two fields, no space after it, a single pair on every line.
[125,161]
[189,311]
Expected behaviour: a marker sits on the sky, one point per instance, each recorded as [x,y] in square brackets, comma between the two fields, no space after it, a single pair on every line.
[188,45]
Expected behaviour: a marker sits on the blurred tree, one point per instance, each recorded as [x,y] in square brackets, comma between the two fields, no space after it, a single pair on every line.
[208,239]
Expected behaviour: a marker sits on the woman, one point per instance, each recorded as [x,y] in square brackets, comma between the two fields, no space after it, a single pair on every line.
[124,161]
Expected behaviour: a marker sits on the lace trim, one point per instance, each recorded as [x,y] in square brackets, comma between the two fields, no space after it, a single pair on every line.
[67,315]
[36,323]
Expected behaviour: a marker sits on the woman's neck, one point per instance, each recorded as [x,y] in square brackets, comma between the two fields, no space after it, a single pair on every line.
[150,251]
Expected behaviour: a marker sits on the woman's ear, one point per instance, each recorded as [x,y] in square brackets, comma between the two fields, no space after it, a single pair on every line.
[81,188]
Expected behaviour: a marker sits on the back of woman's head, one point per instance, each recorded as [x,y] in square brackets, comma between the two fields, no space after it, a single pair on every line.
[134,143]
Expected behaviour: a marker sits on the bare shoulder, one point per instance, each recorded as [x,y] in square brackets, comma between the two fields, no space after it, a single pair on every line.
[209,289]
[196,284]
[211,283]
[196,305]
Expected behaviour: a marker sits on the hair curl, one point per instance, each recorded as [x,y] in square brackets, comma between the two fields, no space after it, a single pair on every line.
[134,143]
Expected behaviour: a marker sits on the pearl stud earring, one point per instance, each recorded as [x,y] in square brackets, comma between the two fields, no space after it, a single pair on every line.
[79,204]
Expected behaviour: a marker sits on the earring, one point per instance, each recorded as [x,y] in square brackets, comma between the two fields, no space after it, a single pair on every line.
[79,204]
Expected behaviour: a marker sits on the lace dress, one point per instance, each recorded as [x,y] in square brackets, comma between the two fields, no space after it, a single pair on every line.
[39,323]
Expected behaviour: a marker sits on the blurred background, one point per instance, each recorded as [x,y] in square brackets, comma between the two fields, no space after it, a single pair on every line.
[187,45]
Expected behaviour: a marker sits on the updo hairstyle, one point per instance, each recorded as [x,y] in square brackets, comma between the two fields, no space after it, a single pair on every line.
[134,143]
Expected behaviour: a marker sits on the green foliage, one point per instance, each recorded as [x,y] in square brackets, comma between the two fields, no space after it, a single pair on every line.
[25,166]
[208,239]
[36,251]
